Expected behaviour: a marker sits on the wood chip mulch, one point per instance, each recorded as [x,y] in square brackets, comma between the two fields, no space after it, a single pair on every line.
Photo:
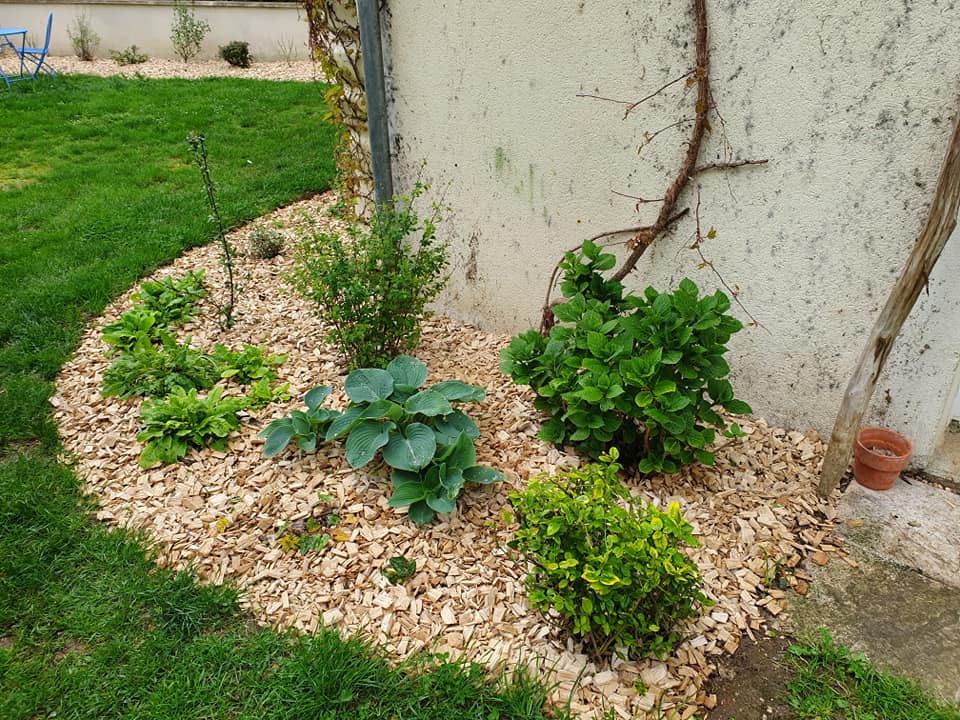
[756,513]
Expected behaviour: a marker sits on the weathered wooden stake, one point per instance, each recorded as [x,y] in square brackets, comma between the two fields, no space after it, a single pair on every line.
[941,221]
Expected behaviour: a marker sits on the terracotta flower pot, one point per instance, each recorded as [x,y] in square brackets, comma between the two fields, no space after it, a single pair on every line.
[878,457]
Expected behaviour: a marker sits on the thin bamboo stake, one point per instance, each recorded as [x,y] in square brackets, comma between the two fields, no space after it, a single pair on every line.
[941,221]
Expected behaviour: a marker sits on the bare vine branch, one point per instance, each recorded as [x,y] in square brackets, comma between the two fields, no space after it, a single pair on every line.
[644,235]
[697,245]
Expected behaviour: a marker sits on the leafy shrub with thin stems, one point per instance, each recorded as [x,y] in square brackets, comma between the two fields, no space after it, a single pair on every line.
[426,441]
[187,32]
[82,37]
[373,286]
[642,373]
[236,53]
[608,564]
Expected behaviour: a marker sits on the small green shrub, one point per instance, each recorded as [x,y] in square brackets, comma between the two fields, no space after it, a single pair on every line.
[152,372]
[639,373]
[237,53]
[173,300]
[373,287]
[187,32]
[264,243]
[609,566]
[130,56]
[182,421]
[427,442]
[82,37]
[399,569]
[247,365]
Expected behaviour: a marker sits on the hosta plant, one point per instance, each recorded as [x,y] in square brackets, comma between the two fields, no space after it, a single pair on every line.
[643,373]
[426,441]
[607,564]
[183,420]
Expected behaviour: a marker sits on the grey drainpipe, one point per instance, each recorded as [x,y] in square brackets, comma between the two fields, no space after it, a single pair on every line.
[368,12]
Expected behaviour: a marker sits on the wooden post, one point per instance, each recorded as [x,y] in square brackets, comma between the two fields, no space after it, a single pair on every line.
[941,221]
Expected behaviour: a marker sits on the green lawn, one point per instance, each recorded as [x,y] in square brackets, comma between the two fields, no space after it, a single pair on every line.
[97,189]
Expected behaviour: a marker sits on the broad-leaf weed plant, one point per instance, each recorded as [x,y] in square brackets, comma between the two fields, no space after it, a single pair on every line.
[425,440]
[372,287]
[609,565]
[641,373]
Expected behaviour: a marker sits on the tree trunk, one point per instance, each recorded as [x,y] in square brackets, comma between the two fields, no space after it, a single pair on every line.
[940,224]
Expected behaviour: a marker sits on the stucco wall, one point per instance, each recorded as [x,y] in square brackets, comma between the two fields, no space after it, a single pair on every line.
[851,103]
[264,25]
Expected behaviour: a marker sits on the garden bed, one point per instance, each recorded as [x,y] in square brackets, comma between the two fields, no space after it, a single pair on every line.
[756,513]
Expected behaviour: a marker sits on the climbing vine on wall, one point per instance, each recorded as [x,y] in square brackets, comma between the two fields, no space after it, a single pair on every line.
[695,77]
[335,43]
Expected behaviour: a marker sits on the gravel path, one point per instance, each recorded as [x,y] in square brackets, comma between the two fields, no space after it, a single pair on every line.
[160,68]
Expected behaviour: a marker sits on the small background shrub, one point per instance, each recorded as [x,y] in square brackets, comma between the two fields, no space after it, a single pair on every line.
[373,286]
[130,56]
[639,373]
[264,243]
[84,40]
[237,53]
[609,566]
[187,32]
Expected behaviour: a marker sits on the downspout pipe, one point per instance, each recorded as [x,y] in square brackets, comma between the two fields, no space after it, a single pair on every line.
[371,48]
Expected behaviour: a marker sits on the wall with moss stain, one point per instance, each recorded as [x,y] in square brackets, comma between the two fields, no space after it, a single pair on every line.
[851,102]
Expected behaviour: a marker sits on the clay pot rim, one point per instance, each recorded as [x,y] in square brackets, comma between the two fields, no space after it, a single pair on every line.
[901,444]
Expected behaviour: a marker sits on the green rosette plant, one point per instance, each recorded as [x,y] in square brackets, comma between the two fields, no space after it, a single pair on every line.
[426,441]
[643,373]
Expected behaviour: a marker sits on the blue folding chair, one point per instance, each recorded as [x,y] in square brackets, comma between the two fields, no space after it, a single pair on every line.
[34,59]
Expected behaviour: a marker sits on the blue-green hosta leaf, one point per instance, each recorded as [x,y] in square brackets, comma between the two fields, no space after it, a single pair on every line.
[453,482]
[421,513]
[441,503]
[399,477]
[412,450]
[407,370]
[457,391]
[380,410]
[460,454]
[300,422]
[406,493]
[277,434]
[368,385]
[308,443]
[450,426]
[365,439]
[401,392]
[428,402]
[482,475]
[342,424]
[316,396]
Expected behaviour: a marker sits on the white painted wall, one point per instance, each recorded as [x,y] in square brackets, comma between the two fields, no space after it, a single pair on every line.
[852,103]
[146,24]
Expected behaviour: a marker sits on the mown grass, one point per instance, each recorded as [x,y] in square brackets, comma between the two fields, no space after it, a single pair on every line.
[832,683]
[97,189]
